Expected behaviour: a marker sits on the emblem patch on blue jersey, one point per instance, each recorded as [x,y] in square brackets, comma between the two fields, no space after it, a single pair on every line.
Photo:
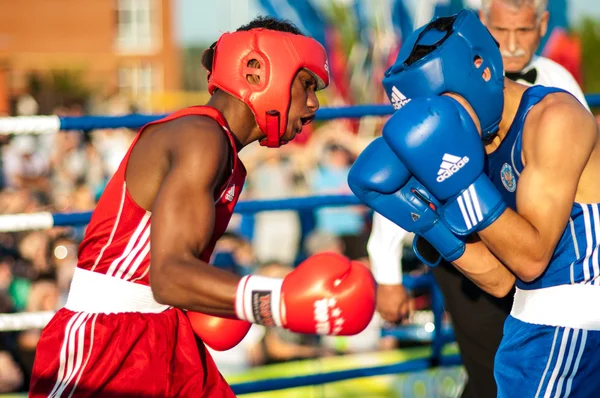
[508,178]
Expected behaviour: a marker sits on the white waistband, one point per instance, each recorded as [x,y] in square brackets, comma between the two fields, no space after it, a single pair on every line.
[93,292]
[574,306]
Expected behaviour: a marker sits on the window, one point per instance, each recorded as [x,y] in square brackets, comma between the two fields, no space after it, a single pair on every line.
[137,80]
[137,25]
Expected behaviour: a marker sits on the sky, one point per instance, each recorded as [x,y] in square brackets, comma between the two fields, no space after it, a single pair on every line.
[202,21]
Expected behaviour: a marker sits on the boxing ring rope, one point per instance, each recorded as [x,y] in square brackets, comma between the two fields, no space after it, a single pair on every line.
[52,124]
[45,220]
[438,335]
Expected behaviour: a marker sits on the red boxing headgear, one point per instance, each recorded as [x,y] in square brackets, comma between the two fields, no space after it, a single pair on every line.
[281,56]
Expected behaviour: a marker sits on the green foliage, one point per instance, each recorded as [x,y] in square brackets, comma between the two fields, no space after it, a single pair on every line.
[59,88]
[589,33]
[194,74]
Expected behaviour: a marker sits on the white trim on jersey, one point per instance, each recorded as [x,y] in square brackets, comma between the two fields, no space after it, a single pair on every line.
[130,245]
[112,233]
[576,247]
[596,232]
[588,243]
[134,253]
[138,261]
[141,276]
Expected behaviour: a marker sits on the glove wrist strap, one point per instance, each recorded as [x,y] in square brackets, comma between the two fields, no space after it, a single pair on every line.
[258,300]
[475,208]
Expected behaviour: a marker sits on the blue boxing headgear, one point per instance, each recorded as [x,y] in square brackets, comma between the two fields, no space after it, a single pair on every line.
[440,57]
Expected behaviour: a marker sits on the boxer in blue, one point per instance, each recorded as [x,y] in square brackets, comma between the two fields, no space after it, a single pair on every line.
[501,180]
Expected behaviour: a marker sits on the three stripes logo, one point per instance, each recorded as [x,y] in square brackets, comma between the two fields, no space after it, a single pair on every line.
[398,99]
[450,165]
[469,207]
[230,194]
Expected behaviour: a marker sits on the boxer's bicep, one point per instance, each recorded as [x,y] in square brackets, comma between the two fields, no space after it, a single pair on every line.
[183,213]
[555,158]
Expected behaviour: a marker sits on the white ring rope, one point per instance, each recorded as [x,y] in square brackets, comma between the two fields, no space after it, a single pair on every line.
[26,222]
[24,321]
[29,125]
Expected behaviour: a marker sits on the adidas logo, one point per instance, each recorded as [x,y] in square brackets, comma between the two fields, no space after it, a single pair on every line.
[230,193]
[398,99]
[450,165]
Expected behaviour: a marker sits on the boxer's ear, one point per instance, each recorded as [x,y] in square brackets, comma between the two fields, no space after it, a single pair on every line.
[251,77]
[208,56]
[486,74]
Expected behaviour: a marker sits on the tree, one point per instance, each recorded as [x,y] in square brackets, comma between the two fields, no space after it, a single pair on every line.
[589,32]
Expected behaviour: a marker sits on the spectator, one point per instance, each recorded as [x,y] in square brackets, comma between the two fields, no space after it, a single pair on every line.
[43,296]
[240,251]
[23,166]
[33,248]
[276,233]
[319,242]
[11,376]
[63,260]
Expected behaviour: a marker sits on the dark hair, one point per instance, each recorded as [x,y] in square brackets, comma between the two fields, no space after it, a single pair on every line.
[265,22]
[271,23]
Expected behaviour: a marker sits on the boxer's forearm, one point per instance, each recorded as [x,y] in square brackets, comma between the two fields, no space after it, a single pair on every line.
[485,270]
[196,286]
[518,245]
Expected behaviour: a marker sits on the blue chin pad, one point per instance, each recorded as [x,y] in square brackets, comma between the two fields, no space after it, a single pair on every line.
[425,252]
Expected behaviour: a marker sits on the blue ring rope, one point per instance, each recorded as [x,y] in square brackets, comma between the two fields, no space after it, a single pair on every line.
[138,120]
[249,206]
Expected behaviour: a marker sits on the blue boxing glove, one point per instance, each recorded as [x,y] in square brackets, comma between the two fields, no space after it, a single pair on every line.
[380,180]
[438,141]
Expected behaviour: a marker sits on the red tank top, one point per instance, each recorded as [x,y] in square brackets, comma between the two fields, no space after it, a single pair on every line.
[117,239]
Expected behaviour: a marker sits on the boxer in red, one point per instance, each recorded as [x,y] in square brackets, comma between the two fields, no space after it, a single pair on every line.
[144,260]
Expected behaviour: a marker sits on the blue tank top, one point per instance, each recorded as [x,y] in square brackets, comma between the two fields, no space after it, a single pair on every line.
[575,259]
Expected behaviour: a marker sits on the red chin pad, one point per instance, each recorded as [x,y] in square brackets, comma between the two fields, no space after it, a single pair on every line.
[273,138]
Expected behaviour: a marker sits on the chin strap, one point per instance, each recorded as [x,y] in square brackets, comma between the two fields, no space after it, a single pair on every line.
[273,138]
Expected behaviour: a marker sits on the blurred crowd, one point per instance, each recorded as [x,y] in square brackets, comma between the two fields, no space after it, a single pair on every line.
[67,171]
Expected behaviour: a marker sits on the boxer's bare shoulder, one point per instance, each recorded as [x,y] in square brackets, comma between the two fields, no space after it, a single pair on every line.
[194,139]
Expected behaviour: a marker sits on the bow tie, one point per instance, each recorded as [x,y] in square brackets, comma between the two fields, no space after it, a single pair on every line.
[530,76]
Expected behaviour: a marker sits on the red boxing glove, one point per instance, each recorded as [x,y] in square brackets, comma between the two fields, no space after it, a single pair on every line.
[326,294]
[220,334]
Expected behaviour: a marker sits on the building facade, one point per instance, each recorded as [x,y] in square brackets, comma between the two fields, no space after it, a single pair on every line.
[124,47]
